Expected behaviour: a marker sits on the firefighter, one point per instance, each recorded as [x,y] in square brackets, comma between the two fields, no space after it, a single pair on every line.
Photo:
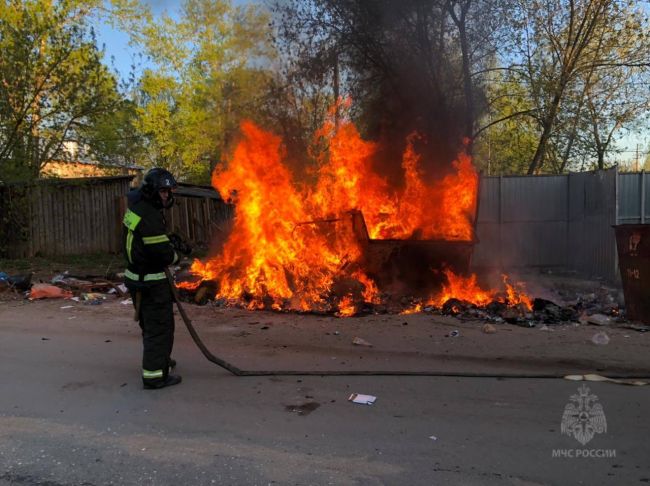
[149,250]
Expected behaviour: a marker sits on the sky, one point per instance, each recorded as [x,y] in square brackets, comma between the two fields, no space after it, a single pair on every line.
[121,56]
[118,53]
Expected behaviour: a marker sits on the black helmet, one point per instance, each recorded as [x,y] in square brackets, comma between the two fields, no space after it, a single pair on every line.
[155,180]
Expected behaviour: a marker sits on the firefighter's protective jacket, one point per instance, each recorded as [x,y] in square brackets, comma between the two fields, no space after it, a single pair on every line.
[147,247]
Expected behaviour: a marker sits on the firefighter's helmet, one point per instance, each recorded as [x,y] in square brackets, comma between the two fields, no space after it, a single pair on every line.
[155,180]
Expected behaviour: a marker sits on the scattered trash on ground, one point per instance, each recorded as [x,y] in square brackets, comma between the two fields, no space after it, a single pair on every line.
[600,338]
[433,437]
[47,291]
[93,296]
[94,302]
[592,377]
[357,341]
[489,329]
[599,320]
[20,283]
[362,399]
[128,301]
[67,307]
[454,333]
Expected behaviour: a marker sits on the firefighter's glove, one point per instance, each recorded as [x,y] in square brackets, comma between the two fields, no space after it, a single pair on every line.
[179,245]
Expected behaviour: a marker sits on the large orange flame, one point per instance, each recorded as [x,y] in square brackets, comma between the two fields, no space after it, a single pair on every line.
[289,244]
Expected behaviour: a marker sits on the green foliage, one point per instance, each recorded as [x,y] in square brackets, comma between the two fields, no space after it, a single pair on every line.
[506,146]
[581,62]
[98,264]
[53,84]
[208,77]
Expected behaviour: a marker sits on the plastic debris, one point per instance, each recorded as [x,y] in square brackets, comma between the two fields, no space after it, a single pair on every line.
[600,339]
[454,333]
[433,437]
[127,302]
[18,282]
[362,399]
[599,320]
[60,278]
[47,291]
[592,377]
[357,341]
[67,307]
[93,296]
[489,329]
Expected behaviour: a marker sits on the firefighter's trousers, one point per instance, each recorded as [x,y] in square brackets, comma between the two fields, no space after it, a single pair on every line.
[156,318]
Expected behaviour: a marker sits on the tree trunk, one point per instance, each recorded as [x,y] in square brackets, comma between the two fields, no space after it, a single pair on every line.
[468,89]
[549,121]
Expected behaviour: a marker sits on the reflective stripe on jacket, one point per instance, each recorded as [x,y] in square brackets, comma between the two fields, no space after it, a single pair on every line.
[147,248]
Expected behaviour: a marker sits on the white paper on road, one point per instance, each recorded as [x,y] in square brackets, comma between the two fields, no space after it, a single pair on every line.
[363,399]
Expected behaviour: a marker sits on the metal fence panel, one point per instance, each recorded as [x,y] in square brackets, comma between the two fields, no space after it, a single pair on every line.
[524,223]
[489,196]
[539,198]
[549,221]
[592,246]
[634,198]
[487,253]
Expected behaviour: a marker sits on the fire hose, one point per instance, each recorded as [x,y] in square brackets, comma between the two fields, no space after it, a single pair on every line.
[239,372]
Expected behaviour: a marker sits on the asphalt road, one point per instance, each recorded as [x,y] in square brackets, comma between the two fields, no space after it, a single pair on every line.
[72,412]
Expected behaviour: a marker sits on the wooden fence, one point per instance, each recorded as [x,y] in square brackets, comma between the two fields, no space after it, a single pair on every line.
[199,214]
[80,216]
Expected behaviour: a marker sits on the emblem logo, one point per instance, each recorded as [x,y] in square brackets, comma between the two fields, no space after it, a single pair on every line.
[583,417]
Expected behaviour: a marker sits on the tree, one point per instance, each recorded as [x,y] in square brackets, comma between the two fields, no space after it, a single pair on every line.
[208,76]
[52,81]
[113,136]
[507,140]
[563,43]
[408,66]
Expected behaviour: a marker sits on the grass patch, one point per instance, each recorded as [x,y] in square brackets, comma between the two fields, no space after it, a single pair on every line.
[97,264]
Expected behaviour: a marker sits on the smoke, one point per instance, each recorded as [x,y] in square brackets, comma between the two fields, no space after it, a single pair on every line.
[401,64]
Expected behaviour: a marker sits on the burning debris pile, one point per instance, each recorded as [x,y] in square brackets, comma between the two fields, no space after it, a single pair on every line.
[599,308]
[344,241]
[353,242]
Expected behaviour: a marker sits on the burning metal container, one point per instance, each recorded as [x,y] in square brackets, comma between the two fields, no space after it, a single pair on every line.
[417,264]
[633,243]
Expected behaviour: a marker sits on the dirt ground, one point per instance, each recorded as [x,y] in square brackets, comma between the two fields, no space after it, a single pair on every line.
[418,343]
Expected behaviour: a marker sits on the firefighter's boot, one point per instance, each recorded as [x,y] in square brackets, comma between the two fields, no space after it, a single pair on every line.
[169,380]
